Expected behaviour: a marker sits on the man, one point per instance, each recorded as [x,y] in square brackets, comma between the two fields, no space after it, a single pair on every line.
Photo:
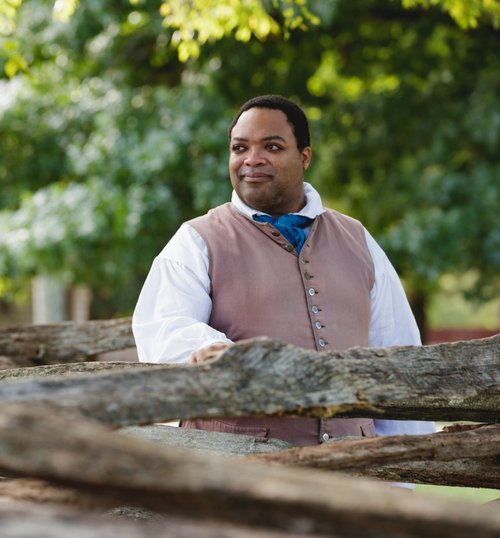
[273,262]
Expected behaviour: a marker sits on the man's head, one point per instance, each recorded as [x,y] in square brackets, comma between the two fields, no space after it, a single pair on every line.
[294,114]
[269,151]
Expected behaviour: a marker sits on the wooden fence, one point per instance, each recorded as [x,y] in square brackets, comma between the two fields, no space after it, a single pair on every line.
[83,453]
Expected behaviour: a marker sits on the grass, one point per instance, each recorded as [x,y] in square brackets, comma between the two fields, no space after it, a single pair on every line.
[449,308]
[475,495]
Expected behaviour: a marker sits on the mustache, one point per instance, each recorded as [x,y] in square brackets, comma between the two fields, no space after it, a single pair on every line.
[260,170]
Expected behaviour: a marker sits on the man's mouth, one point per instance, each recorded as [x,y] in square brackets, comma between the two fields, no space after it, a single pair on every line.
[255,177]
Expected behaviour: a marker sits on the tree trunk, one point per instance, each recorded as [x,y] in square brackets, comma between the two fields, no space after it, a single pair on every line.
[418,302]
[81,300]
[49,299]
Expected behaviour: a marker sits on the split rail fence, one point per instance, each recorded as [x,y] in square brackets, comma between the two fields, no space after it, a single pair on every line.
[85,451]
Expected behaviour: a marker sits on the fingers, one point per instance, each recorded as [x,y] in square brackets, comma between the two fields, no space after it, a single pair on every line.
[208,352]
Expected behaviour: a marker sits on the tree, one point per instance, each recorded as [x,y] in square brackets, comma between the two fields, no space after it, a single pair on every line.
[412,139]
[121,140]
[100,167]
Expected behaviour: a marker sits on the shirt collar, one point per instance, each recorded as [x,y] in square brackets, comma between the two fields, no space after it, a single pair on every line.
[312,209]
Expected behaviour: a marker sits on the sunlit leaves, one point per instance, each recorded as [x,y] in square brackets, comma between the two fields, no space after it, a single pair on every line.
[8,12]
[410,137]
[134,165]
[196,22]
[330,80]
[64,9]
[14,61]
[121,142]
[466,13]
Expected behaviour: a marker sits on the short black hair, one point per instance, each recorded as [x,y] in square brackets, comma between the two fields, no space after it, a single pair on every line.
[294,114]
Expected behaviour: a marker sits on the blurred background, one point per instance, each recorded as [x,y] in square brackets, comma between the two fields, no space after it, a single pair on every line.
[113,130]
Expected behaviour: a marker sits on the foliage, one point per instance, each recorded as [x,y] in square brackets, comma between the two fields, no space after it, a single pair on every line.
[197,22]
[191,23]
[200,21]
[412,138]
[142,168]
[97,169]
[467,13]
[110,141]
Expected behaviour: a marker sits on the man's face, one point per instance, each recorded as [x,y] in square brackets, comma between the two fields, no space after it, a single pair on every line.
[265,165]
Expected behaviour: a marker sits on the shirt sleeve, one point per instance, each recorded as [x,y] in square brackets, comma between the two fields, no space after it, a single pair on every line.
[392,324]
[170,320]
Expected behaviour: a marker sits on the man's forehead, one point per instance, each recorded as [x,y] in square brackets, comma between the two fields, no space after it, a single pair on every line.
[267,138]
[263,124]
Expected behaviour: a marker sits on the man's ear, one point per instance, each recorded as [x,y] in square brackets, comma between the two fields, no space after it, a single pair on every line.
[306,155]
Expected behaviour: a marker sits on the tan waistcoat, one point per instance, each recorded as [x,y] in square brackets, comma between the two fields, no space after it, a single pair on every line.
[318,299]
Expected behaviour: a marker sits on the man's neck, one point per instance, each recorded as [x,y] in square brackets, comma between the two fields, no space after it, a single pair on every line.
[312,207]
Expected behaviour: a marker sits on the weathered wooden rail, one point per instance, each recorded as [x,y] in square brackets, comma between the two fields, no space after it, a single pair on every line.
[29,345]
[58,425]
[458,381]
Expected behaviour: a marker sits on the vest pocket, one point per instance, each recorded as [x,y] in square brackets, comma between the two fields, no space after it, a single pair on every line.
[368,429]
[228,427]
[222,426]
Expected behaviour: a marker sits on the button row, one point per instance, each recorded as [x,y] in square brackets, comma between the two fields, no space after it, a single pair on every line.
[314,310]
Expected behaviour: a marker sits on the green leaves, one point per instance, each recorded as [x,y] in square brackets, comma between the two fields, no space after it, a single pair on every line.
[124,168]
[200,21]
[8,12]
[110,141]
[466,13]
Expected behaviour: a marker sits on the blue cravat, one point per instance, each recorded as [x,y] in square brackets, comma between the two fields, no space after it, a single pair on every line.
[290,226]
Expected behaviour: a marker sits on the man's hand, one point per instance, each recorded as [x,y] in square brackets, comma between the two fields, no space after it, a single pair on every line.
[209,352]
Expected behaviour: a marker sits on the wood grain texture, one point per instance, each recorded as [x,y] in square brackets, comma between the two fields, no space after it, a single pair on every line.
[67,369]
[357,453]
[440,459]
[187,483]
[459,381]
[33,520]
[65,342]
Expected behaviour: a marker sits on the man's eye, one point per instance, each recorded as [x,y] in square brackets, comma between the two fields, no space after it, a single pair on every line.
[273,147]
[237,148]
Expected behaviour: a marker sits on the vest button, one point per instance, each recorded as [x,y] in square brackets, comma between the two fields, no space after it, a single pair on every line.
[311,291]
[321,342]
[289,248]
[325,437]
[303,260]
[315,309]
[276,234]
[318,325]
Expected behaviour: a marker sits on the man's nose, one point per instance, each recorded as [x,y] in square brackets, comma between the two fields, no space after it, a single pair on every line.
[254,157]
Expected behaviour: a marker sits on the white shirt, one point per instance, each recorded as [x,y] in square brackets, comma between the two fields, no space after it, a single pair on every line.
[171,317]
